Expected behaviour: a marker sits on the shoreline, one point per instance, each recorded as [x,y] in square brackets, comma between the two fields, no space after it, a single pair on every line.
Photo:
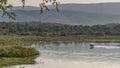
[28,40]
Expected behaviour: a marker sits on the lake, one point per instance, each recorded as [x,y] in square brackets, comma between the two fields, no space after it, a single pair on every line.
[76,55]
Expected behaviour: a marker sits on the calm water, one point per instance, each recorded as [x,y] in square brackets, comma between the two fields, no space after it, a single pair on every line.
[76,55]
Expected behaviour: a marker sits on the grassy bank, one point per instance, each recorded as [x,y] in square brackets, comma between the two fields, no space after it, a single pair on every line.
[28,40]
[15,61]
[13,55]
[17,51]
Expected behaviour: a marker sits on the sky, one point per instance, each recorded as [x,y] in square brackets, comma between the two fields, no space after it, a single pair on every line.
[36,2]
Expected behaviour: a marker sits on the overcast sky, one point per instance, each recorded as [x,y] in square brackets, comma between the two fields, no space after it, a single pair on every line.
[36,2]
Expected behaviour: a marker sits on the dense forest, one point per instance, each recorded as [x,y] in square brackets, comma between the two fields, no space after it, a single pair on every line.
[54,29]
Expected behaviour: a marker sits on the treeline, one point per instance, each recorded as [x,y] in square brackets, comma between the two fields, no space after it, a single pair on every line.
[54,29]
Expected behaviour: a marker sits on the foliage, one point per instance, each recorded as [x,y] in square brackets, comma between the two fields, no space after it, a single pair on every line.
[13,55]
[53,29]
[43,5]
[7,8]
[4,7]
[17,51]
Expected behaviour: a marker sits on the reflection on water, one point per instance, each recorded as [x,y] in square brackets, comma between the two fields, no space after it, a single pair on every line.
[76,55]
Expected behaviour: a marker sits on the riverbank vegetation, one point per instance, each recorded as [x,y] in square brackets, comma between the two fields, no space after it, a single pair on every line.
[25,33]
[15,61]
[29,40]
[17,51]
[13,55]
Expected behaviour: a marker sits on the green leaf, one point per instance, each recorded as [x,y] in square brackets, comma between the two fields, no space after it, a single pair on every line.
[23,2]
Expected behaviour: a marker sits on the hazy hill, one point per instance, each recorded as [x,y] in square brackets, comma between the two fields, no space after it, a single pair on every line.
[101,13]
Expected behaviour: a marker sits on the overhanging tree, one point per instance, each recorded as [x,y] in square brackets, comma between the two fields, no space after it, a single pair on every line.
[7,9]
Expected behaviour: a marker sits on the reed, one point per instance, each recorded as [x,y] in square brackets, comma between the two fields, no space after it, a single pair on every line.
[13,55]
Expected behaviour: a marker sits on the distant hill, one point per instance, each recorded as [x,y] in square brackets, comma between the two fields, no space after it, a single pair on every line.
[86,14]
[104,8]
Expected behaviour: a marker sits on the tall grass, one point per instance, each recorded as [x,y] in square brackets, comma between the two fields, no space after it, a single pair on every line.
[13,55]
[15,61]
[17,51]
[28,40]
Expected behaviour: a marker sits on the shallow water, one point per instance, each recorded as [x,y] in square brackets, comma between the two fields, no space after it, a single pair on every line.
[76,55]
